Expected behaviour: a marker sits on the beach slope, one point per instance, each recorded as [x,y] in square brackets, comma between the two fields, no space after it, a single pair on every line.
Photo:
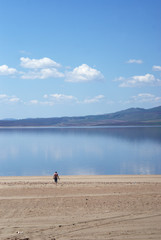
[80,208]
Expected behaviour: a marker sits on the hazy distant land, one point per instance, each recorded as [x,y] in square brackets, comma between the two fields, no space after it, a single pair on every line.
[128,117]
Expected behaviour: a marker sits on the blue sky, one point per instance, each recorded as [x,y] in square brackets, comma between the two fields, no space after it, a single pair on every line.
[78,57]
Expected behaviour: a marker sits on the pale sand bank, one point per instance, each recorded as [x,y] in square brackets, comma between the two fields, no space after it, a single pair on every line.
[114,207]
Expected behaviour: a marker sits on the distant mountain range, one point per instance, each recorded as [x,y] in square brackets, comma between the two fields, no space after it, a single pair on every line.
[128,117]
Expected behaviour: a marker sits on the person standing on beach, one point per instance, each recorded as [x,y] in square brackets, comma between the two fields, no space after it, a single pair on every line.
[56,177]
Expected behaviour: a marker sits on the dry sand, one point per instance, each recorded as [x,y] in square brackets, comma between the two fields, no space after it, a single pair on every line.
[80,208]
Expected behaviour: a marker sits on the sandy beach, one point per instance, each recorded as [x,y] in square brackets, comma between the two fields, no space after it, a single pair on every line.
[81,208]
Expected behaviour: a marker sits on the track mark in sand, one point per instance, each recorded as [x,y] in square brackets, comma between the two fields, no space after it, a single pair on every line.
[105,221]
[93,223]
[151,216]
[89,224]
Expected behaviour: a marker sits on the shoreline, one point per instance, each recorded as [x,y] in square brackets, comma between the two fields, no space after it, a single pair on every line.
[85,126]
[87,178]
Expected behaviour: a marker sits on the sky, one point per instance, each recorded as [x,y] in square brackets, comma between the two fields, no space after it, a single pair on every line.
[78,57]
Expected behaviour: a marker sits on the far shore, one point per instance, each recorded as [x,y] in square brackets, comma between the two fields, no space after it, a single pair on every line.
[83,126]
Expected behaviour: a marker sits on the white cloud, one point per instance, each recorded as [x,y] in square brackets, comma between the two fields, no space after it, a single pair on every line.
[47,68]
[41,68]
[95,99]
[38,63]
[57,98]
[83,73]
[5,70]
[42,74]
[34,101]
[145,97]
[60,97]
[136,81]
[14,99]
[157,68]
[3,96]
[45,96]
[138,61]
[8,99]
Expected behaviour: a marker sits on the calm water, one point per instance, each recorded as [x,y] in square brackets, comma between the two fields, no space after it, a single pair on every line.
[132,150]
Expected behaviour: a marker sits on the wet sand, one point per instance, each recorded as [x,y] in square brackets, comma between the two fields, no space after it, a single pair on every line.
[81,208]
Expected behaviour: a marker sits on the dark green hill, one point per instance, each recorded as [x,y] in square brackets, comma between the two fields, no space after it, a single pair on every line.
[128,117]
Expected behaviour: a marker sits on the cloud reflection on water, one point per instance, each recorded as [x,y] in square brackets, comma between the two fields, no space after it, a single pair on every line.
[133,150]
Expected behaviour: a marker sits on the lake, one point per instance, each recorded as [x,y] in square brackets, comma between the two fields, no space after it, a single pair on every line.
[75,151]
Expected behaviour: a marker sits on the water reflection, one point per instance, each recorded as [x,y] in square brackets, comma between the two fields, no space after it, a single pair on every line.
[133,150]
